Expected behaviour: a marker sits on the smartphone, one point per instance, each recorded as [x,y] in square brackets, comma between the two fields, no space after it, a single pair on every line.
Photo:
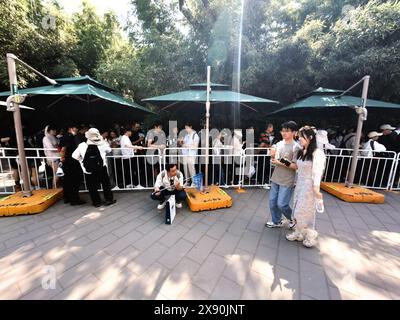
[285,161]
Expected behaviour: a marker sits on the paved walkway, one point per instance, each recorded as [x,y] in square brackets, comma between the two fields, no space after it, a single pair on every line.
[127,252]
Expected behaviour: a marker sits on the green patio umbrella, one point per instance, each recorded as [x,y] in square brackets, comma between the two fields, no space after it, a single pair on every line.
[330,99]
[227,107]
[84,80]
[83,100]
[326,107]
[220,94]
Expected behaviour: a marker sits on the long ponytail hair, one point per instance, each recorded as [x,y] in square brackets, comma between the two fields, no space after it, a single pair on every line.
[310,134]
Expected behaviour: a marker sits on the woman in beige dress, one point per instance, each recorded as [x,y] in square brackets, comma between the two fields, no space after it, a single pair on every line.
[307,195]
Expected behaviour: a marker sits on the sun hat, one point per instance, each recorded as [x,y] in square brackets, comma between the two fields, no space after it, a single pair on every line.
[94,136]
[374,134]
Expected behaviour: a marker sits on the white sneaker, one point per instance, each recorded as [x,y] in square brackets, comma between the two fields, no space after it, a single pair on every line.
[178,205]
[310,238]
[161,205]
[289,224]
[270,224]
[139,187]
[130,186]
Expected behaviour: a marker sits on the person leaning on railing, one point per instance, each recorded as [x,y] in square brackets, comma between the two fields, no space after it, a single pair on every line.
[128,161]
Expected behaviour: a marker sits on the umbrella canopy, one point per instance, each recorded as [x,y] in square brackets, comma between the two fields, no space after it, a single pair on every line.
[220,93]
[226,105]
[77,101]
[85,80]
[324,98]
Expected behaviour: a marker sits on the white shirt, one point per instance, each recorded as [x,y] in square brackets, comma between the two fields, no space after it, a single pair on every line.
[163,180]
[237,146]
[217,146]
[191,140]
[48,144]
[322,140]
[127,144]
[368,152]
[80,151]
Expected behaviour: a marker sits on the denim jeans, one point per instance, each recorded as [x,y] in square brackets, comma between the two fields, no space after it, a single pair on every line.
[279,199]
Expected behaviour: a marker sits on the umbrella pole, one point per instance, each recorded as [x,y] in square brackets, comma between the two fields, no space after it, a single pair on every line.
[26,191]
[361,118]
[207,123]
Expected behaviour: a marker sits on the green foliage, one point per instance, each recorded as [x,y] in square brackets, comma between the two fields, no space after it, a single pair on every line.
[22,33]
[75,46]
[94,36]
[289,47]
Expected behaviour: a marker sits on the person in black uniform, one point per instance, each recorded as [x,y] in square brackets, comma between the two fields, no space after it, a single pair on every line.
[389,138]
[71,167]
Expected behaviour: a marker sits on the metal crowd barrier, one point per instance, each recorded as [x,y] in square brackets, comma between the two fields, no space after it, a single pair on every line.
[251,168]
[224,166]
[372,172]
[256,167]
[377,172]
[135,172]
[395,183]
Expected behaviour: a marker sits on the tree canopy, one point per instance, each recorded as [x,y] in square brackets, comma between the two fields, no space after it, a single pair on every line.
[288,47]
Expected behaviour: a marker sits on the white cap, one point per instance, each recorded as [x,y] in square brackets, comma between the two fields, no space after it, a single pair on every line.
[374,134]
[387,127]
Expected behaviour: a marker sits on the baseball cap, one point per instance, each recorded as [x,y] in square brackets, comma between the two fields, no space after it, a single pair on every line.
[387,127]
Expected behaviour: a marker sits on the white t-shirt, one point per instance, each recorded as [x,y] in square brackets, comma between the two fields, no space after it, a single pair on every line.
[237,146]
[217,147]
[368,152]
[126,143]
[322,140]
[80,151]
[164,181]
[49,144]
[191,140]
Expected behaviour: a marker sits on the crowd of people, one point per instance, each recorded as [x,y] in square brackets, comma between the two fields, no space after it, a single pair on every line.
[128,168]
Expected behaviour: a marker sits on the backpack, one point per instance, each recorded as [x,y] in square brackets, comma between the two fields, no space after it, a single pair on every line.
[93,162]
[344,141]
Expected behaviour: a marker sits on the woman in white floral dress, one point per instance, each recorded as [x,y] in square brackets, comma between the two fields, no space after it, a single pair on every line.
[307,195]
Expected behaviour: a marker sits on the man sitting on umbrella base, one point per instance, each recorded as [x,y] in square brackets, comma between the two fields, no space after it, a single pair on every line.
[169,182]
